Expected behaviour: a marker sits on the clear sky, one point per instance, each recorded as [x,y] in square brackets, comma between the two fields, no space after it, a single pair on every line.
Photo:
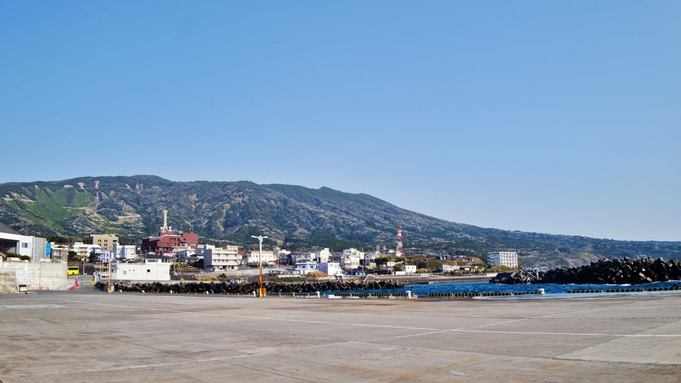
[549,116]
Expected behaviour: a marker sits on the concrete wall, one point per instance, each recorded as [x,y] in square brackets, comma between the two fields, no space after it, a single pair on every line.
[38,276]
[8,281]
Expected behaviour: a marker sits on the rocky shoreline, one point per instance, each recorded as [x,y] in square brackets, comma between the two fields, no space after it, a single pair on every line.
[248,288]
[617,271]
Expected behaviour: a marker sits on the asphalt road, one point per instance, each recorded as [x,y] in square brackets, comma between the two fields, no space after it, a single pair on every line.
[98,337]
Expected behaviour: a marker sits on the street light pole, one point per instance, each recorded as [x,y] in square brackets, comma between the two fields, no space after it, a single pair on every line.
[260,238]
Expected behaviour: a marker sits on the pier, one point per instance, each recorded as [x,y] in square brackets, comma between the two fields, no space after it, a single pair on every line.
[125,337]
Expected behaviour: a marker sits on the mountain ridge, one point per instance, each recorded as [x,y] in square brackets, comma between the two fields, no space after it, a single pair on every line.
[292,216]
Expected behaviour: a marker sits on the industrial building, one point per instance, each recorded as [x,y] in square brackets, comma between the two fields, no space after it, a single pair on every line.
[27,245]
[148,271]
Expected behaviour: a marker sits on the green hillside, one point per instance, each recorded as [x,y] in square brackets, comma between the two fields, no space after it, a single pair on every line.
[292,216]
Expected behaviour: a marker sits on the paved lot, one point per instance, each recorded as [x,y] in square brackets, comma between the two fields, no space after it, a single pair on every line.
[98,337]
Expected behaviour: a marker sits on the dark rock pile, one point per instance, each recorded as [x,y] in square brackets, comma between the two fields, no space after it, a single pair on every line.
[248,288]
[616,271]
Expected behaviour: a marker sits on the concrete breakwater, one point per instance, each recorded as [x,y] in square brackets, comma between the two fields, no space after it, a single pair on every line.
[616,271]
[248,288]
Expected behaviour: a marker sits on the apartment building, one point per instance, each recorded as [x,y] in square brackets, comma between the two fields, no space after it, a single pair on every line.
[104,241]
[503,258]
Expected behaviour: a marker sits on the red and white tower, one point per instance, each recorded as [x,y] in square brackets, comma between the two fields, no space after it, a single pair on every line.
[399,251]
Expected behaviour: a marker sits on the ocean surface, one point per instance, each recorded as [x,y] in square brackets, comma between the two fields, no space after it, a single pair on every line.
[486,287]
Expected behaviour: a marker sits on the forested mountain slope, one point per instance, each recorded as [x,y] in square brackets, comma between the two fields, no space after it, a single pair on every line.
[292,216]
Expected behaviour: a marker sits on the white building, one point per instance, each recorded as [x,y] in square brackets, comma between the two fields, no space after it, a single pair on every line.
[124,251]
[13,242]
[410,269]
[83,250]
[330,268]
[252,258]
[353,253]
[503,258]
[104,256]
[303,268]
[148,271]
[221,258]
[321,256]
[351,259]
[370,257]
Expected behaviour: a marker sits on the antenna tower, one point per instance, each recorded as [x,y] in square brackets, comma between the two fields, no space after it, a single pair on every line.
[164,229]
[400,250]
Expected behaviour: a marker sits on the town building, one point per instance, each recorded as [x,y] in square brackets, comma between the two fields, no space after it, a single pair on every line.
[281,255]
[351,259]
[105,241]
[127,252]
[253,258]
[168,243]
[503,258]
[370,257]
[294,258]
[59,252]
[330,268]
[321,256]
[103,256]
[303,268]
[27,245]
[221,258]
[158,258]
[83,250]
[410,269]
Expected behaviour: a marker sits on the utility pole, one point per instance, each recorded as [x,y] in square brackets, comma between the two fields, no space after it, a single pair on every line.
[109,287]
[260,238]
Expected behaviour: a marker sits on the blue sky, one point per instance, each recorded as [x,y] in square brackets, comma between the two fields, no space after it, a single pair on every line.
[559,116]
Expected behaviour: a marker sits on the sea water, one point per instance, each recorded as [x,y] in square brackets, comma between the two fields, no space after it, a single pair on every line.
[486,287]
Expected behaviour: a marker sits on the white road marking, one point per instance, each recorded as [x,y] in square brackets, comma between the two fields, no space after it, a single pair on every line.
[433,330]
[30,307]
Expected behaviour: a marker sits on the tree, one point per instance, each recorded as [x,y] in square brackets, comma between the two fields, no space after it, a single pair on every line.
[73,257]
[92,257]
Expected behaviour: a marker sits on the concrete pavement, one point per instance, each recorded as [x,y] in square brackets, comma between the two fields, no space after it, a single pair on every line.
[86,337]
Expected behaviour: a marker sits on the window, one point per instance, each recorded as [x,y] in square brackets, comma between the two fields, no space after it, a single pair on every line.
[24,245]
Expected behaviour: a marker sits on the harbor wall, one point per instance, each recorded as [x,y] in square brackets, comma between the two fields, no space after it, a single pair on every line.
[8,281]
[38,276]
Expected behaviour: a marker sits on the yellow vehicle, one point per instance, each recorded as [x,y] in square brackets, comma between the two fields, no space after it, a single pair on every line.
[73,270]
